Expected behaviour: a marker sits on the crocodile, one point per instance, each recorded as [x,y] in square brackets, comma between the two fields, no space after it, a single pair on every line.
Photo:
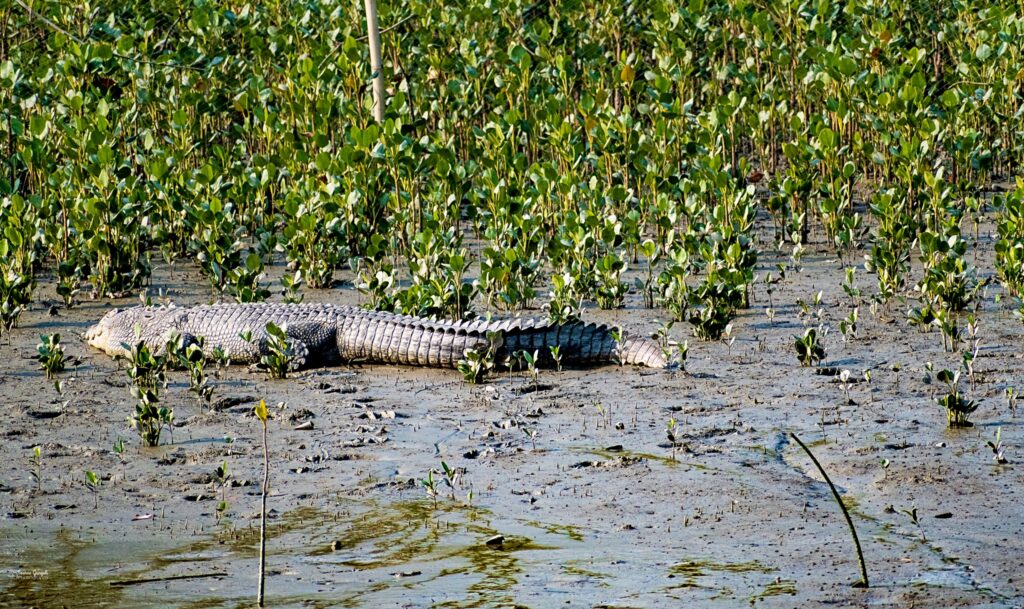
[326,333]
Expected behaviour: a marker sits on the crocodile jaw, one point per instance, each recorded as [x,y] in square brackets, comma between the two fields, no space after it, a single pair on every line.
[111,331]
[100,334]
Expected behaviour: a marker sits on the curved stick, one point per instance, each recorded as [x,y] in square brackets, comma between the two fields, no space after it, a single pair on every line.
[863,583]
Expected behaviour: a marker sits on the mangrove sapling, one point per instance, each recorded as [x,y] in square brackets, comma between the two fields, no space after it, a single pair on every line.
[149,417]
[192,358]
[476,363]
[610,290]
[15,294]
[863,583]
[93,483]
[997,448]
[279,360]
[243,281]
[261,413]
[808,350]
[958,408]
[770,279]
[69,278]
[674,291]
[566,301]
[221,357]
[35,460]
[948,324]
[51,354]
[145,370]
[290,285]
[652,254]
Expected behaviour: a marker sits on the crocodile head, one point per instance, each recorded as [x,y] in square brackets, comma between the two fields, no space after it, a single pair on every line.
[126,326]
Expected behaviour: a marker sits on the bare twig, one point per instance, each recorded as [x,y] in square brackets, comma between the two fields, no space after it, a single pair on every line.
[261,413]
[863,583]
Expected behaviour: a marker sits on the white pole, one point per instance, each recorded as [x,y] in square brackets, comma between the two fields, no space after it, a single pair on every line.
[373,33]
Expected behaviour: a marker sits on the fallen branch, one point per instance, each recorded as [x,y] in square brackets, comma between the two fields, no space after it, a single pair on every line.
[169,578]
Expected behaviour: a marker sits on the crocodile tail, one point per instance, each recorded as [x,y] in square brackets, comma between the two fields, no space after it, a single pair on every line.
[641,352]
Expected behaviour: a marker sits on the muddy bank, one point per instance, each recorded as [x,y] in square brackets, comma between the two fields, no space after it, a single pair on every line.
[595,507]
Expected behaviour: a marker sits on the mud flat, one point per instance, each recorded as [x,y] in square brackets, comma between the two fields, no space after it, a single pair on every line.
[593,505]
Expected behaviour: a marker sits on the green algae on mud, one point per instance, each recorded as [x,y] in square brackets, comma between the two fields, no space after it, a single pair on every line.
[691,570]
[410,536]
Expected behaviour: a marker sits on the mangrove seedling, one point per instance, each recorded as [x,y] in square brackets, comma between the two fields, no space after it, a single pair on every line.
[531,366]
[221,476]
[36,461]
[556,355]
[430,486]
[912,514]
[996,446]
[844,378]
[728,337]
[451,477]
[674,353]
[532,434]
[848,284]
[93,482]
[51,354]
[1011,401]
[119,448]
[670,433]
[848,326]
[958,408]
[808,350]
